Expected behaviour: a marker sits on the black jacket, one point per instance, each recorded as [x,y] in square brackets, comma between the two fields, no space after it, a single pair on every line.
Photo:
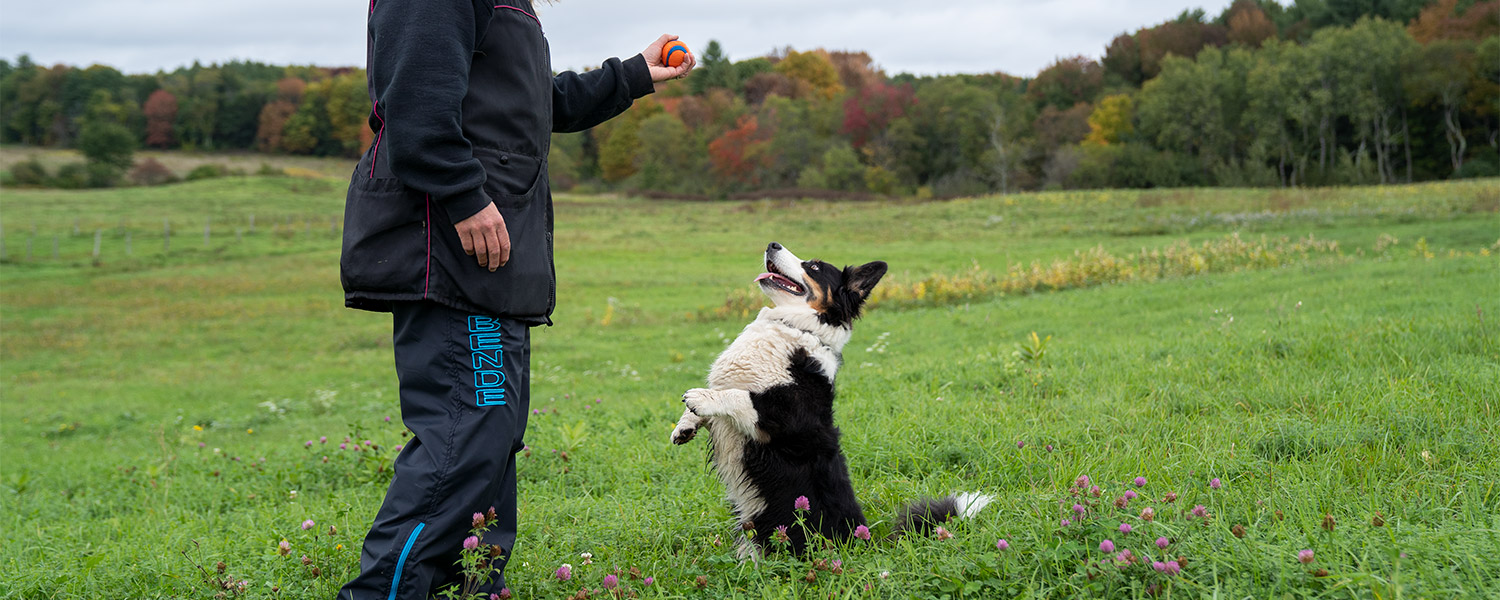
[464,106]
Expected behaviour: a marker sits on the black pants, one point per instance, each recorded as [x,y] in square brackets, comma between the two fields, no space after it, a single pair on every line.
[465,386]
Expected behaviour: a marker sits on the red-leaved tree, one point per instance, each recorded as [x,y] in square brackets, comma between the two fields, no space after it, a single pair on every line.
[1066,82]
[161,119]
[1182,38]
[868,113]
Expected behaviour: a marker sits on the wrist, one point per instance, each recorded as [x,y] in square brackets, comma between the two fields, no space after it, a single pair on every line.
[464,205]
[637,76]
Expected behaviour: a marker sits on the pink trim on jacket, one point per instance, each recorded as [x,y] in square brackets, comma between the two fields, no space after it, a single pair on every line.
[376,111]
[533,17]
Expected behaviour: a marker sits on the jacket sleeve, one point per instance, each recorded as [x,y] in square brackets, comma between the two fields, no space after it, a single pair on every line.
[419,67]
[581,101]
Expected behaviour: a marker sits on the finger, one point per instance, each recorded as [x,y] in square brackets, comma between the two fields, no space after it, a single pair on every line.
[492,242]
[655,48]
[661,42]
[468,243]
[481,248]
[503,236]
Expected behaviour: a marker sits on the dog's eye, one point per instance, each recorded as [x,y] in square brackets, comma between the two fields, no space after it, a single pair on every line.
[813,266]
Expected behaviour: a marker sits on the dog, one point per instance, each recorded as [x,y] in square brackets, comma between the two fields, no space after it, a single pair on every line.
[768,408]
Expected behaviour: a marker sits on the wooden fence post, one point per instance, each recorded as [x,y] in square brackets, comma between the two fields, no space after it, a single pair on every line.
[127,242]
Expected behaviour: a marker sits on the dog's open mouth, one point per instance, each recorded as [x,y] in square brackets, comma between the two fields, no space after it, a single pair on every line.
[776,278]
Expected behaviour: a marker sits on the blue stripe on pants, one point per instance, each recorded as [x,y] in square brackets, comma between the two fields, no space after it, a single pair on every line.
[401,562]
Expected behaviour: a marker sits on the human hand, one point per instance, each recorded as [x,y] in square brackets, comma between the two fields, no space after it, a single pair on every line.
[484,236]
[661,72]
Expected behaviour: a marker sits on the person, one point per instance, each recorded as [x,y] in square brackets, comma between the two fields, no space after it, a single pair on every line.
[448,226]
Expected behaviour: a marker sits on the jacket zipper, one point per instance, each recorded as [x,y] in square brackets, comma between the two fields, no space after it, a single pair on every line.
[551,293]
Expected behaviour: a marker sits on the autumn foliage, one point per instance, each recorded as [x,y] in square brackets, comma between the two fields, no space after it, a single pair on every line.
[1443,20]
[1112,121]
[161,117]
[870,111]
[815,69]
[1067,81]
[275,114]
[739,155]
[1248,24]
[1313,92]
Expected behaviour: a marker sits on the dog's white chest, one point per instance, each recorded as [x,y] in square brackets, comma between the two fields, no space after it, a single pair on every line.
[759,359]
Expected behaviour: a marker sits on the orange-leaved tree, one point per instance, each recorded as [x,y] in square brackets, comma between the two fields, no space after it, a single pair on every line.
[738,156]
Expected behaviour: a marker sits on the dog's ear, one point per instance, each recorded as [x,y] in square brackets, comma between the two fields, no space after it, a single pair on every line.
[863,278]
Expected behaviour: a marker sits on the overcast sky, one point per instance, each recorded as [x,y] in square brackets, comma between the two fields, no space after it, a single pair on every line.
[933,37]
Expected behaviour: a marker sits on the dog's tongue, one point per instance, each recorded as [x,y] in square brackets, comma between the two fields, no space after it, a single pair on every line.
[780,279]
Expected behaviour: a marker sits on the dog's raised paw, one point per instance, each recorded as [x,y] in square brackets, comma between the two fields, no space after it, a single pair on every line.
[699,401]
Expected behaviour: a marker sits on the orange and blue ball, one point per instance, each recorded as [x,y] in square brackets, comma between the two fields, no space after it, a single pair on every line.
[673,54]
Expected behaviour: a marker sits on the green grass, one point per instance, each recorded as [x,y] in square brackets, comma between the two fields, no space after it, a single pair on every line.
[1353,385]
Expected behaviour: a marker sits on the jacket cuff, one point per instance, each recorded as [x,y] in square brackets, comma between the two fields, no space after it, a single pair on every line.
[638,76]
[464,205]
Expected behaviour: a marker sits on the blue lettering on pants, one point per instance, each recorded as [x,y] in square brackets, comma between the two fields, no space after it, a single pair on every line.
[486,356]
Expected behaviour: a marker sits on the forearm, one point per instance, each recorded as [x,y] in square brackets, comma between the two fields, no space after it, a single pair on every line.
[583,100]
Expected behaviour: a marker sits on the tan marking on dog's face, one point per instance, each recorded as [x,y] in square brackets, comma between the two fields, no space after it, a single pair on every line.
[818,297]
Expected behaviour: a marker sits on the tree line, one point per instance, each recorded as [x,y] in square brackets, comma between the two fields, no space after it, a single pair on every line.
[1314,92]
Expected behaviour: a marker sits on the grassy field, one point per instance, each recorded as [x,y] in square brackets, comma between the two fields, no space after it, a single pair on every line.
[158,404]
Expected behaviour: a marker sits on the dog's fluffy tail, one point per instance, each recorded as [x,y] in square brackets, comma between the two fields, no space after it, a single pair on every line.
[923,515]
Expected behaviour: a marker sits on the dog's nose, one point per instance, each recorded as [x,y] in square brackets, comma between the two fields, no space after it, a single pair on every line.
[772,247]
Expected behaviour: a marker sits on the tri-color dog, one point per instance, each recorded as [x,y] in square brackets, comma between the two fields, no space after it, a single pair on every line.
[769,408]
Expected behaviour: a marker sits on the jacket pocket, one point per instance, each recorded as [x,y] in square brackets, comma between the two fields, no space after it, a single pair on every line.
[510,177]
[520,289]
[385,238]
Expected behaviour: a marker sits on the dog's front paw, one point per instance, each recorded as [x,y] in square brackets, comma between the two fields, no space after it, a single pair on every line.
[687,427]
[700,402]
[683,434]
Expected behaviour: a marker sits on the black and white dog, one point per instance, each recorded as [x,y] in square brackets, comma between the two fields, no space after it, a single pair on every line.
[769,408]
